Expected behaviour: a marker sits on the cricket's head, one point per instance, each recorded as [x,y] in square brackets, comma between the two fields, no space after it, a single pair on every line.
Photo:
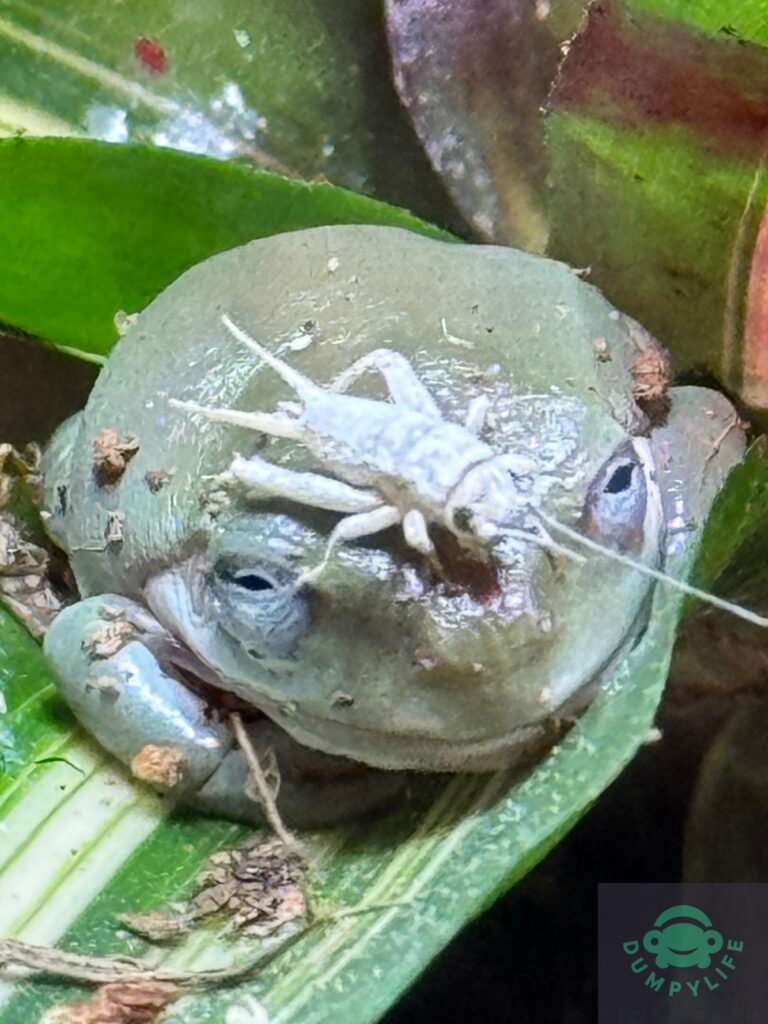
[489,498]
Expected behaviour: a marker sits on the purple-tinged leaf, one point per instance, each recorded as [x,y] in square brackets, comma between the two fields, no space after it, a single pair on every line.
[473,77]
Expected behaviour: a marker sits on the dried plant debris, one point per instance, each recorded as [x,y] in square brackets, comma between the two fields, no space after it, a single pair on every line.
[129,1002]
[157,479]
[111,455]
[18,556]
[159,765]
[16,955]
[109,635]
[259,887]
[24,584]
[25,587]
[114,531]
[263,784]
[19,465]
[651,375]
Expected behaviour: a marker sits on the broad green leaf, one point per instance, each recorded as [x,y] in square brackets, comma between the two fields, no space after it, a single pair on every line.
[424,872]
[656,142]
[91,229]
[300,86]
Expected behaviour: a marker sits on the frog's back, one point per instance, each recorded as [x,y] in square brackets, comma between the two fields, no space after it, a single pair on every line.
[321,298]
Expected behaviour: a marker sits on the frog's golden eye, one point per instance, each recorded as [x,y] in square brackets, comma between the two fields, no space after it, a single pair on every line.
[614,509]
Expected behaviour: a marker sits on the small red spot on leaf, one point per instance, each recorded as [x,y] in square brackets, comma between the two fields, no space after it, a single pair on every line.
[151,55]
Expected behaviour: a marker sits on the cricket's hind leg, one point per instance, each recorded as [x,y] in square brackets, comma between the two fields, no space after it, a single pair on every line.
[367,513]
[400,377]
[353,528]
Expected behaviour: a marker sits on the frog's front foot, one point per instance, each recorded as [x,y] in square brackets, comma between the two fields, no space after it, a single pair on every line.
[117,668]
[114,665]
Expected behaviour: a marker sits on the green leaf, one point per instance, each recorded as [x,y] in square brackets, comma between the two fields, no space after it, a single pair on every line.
[428,870]
[91,229]
[300,86]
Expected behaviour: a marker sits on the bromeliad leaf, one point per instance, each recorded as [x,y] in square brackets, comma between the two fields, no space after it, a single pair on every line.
[657,142]
[474,80]
[107,227]
[296,86]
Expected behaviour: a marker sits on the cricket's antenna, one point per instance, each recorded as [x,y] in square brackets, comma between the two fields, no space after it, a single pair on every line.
[544,541]
[264,422]
[656,574]
[292,377]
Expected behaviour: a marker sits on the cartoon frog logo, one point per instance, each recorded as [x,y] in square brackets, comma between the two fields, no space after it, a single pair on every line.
[683,936]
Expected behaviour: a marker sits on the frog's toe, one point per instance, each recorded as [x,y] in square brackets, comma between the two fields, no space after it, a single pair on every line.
[314,789]
[105,652]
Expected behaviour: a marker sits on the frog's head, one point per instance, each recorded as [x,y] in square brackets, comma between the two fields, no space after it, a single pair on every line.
[683,936]
[373,659]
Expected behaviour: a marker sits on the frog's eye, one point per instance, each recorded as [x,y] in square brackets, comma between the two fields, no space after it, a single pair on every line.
[260,607]
[252,581]
[615,506]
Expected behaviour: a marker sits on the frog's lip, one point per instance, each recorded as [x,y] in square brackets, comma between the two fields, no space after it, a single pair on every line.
[682,952]
[393,751]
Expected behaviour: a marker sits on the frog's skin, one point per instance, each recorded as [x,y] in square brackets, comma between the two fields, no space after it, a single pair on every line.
[683,936]
[380,660]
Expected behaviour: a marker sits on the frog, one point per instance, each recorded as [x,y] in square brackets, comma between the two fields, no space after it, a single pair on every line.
[204,534]
[683,936]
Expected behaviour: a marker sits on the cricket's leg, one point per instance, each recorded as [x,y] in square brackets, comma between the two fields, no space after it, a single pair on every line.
[353,528]
[417,534]
[402,382]
[476,413]
[261,479]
